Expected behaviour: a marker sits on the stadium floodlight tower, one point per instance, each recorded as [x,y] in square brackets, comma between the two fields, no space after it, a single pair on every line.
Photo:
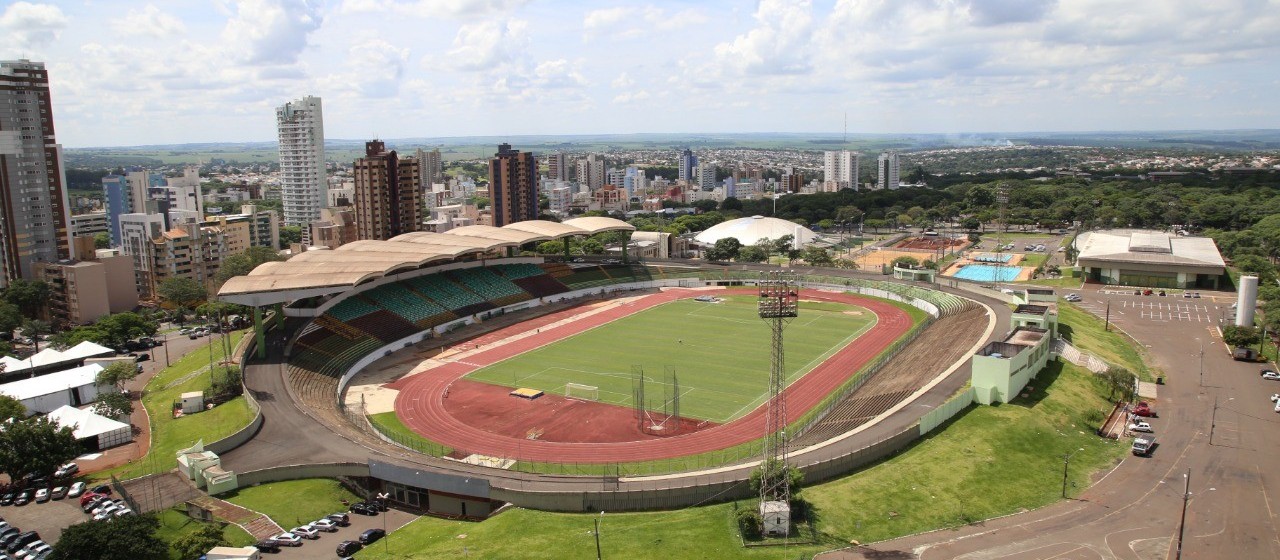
[779,303]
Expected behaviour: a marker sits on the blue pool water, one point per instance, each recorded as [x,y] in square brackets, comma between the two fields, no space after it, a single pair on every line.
[992,257]
[988,273]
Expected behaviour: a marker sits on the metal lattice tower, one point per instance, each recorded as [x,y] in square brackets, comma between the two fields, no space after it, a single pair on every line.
[778,304]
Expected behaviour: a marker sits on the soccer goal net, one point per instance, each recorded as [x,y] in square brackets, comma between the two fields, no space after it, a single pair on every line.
[580,391]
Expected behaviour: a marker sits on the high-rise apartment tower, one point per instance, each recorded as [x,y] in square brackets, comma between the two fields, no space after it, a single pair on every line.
[303,184]
[388,193]
[34,216]
[513,186]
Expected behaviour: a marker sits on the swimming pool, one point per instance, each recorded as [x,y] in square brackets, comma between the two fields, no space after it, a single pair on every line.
[988,273]
[992,257]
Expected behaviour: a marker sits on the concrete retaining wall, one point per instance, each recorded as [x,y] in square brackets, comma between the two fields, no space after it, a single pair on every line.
[295,472]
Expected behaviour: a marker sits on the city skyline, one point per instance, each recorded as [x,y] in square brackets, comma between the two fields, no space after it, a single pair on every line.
[214,72]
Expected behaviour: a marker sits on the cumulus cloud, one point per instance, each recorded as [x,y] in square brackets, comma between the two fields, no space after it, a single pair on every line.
[28,25]
[779,44]
[272,31]
[149,21]
[433,8]
[486,45]
[377,67]
[629,22]
[623,81]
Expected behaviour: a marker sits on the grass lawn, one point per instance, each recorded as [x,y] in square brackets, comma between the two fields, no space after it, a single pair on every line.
[1063,282]
[294,502]
[1086,332]
[1033,259]
[695,533]
[719,350]
[391,426]
[169,434]
[175,524]
[989,461]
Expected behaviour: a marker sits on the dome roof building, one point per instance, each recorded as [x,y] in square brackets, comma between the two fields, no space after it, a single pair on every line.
[751,229]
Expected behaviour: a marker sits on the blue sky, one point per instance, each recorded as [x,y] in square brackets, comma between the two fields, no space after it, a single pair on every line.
[173,71]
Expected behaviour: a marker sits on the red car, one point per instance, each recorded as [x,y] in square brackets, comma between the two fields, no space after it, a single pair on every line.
[1144,409]
[84,498]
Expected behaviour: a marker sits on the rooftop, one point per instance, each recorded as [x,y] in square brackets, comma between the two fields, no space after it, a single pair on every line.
[1031,309]
[1148,247]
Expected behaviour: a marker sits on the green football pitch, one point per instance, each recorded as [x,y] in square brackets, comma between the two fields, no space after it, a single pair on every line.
[719,352]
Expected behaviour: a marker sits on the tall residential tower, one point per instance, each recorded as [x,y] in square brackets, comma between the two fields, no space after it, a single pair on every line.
[513,186]
[839,170]
[33,195]
[887,171]
[303,185]
[388,193]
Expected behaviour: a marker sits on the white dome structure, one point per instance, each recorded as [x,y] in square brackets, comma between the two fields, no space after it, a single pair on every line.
[750,230]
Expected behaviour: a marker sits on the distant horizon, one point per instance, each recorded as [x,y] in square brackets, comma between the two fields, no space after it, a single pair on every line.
[478,138]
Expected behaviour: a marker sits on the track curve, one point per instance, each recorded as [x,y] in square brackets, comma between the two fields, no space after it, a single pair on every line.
[420,405]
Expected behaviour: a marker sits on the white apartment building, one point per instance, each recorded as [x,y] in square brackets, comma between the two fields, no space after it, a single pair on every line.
[303,185]
[706,176]
[561,197]
[887,171]
[839,170]
[136,232]
[89,225]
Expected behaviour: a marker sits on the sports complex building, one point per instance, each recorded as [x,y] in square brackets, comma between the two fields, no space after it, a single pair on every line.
[1149,258]
[471,375]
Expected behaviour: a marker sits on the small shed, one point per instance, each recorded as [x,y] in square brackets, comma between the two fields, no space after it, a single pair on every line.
[93,431]
[192,402]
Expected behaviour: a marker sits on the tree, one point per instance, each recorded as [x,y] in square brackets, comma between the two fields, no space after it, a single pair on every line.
[113,404]
[198,542]
[35,446]
[117,374]
[243,262]
[1120,382]
[290,235]
[102,240]
[182,292]
[906,262]
[731,203]
[725,249]
[11,408]
[10,317]
[971,223]
[1236,336]
[30,296]
[783,244]
[752,253]
[795,475]
[34,328]
[132,537]
[816,256]
[705,205]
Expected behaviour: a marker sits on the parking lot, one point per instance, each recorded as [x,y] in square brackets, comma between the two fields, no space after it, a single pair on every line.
[1154,308]
[48,519]
[326,546]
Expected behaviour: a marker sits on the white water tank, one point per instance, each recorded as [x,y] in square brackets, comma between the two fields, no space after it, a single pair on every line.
[1246,301]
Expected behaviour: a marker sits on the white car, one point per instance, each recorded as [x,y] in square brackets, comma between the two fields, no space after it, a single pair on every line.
[326,525]
[42,495]
[1140,426]
[76,490]
[1275,397]
[287,539]
[105,505]
[122,512]
[1266,374]
[1072,297]
[305,532]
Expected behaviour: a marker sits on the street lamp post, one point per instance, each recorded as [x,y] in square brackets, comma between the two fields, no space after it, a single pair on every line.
[597,520]
[1201,362]
[1066,463]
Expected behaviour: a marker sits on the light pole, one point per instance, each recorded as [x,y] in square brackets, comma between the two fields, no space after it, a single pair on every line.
[1186,497]
[597,520]
[1066,463]
[1201,362]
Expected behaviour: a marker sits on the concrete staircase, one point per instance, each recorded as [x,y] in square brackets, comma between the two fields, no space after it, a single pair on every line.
[256,524]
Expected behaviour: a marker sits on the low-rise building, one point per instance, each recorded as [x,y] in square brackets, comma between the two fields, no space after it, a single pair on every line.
[1149,258]
[81,291]
[89,225]
[1001,369]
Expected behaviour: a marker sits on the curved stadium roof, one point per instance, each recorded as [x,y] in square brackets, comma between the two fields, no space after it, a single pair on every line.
[751,229]
[323,271]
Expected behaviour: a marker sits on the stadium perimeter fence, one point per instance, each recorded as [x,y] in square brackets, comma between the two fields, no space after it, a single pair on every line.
[935,304]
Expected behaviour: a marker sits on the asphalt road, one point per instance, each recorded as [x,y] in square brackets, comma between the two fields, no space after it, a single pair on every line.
[1219,431]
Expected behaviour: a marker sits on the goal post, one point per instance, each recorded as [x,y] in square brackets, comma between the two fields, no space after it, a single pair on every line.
[580,391]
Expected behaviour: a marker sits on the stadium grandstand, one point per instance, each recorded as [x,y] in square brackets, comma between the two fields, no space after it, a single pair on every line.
[413,282]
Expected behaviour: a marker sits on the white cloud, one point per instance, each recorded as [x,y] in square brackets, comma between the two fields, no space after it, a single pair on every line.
[272,31]
[486,45]
[630,97]
[623,81]
[558,74]
[26,25]
[149,21]
[778,45]
[628,22]
[432,8]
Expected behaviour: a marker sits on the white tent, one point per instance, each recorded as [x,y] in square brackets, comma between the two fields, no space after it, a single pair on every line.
[45,393]
[88,425]
[50,357]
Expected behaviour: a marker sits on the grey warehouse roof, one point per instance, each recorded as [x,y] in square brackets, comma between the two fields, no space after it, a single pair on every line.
[1148,247]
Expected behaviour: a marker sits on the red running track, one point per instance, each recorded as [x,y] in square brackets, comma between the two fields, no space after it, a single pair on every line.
[420,402]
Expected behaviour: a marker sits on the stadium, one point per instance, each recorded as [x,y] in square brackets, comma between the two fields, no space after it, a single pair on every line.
[477,376]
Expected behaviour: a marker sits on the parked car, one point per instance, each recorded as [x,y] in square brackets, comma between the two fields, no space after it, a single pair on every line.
[380,504]
[143,357]
[1161,292]
[85,498]
[305,532]
[287,539]
[23,539]
[102,489]
[1270,374]
[1140,426]
[58,493]
[29,549]
[1072,297]
[42,495]
[347,548]
[123,511]
[7,499]
[371,536]
[340,519]
[327,525]
[23,499]
[76,490]
[1241,354]
[1143,445]
[267,545]
[66,470]
[363,509]
[1143,408]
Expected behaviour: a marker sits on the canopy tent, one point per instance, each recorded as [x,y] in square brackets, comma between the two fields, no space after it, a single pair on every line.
[98,431]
